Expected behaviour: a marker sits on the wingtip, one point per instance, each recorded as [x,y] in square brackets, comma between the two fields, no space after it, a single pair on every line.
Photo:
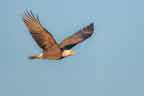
[91,26]
[27,10]
[28,13]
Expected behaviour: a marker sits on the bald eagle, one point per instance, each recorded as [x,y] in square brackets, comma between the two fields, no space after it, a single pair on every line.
[44,39]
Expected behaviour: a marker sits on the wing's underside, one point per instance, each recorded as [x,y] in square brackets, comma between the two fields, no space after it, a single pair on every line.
[77,37]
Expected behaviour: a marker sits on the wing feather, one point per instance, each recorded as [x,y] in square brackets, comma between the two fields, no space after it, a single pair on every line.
[77,37]
[42,37]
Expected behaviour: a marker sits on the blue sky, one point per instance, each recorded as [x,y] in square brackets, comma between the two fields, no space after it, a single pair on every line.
[110,63]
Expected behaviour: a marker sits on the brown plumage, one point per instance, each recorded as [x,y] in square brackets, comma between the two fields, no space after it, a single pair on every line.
[44,39]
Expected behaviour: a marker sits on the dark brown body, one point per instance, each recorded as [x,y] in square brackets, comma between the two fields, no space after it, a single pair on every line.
[53,54]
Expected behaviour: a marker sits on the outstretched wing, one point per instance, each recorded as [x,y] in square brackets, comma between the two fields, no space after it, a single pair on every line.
[78,37]
[43,38]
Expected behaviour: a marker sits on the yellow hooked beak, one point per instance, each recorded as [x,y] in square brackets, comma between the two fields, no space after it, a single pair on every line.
[73,52]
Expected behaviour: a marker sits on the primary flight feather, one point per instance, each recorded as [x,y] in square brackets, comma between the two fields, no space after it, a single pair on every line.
[45,40]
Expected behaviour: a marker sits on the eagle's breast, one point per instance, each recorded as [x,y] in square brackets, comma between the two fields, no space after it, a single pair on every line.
[53,53]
